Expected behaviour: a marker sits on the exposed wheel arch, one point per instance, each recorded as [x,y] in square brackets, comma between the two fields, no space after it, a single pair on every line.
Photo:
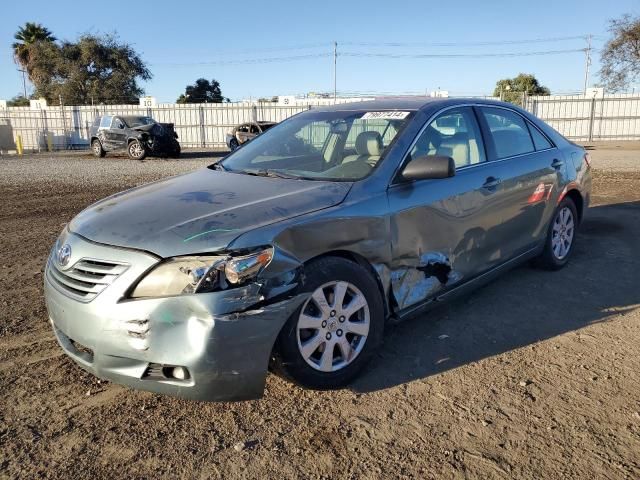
[578,201]
[363,262]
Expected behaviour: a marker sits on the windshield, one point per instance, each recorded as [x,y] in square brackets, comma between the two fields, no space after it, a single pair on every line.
[133,122]
[342,145]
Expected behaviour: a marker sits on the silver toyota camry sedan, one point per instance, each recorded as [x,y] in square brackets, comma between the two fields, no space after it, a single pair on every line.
[295,251]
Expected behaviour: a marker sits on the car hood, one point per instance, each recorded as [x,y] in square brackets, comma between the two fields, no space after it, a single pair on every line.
[201,211]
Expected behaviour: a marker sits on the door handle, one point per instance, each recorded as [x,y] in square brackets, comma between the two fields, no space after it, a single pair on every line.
[557,164]
[491,183]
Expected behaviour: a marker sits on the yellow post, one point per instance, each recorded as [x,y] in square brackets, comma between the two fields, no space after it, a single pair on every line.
[50,141]
[19,144]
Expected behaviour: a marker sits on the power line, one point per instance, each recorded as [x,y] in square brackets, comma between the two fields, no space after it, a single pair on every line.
[459,55]
[250,60]
[292,58]
[465,44]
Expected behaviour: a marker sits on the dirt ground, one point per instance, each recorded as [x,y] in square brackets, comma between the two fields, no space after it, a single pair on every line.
[534,376]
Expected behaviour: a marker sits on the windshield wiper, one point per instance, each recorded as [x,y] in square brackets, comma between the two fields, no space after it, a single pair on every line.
[219,166]
[271,173]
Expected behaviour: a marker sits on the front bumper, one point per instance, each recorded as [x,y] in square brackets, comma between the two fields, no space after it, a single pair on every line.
[224,339]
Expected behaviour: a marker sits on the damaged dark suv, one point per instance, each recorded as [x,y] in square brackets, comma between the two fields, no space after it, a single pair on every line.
[296,250]
[137,135]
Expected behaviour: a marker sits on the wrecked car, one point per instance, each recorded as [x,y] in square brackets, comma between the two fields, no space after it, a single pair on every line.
[294,252]
[139,136]
[245,132]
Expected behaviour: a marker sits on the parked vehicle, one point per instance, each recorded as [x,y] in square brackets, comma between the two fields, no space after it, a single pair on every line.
[138,136]
[245,132]
[295,251]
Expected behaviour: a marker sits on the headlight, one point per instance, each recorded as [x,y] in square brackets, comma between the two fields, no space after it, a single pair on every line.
[184,275]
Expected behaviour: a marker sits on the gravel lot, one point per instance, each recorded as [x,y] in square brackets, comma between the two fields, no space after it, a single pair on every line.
[534,376]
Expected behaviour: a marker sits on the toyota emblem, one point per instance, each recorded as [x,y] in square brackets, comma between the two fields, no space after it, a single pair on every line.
[63,255]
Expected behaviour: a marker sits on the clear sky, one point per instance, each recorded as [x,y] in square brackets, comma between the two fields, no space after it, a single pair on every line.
[182,41]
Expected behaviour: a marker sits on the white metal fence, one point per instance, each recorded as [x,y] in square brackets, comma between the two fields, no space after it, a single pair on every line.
[197,125]
[610,117]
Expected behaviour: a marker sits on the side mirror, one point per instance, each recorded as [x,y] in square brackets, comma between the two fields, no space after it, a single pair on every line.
[429,166]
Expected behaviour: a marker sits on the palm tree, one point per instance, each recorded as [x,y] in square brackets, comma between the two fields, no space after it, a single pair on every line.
[28,35]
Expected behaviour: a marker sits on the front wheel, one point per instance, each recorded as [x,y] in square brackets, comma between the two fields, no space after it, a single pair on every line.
[136,150]
[233,144]
[333,334]
[560,237]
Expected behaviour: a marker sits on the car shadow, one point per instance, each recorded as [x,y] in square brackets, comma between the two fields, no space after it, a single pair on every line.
[522,307]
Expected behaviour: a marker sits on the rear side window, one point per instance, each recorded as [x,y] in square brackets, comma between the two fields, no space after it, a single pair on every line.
[105,122]
[509,132]
[539,140]
[96,122]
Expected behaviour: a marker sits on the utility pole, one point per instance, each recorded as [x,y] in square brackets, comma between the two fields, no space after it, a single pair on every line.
[587,63]
[24,82]
[335,71]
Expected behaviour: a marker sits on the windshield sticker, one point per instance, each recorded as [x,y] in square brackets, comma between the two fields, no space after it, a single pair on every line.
[385,115]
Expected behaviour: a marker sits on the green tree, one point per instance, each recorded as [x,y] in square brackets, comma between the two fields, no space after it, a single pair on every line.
[620,57]
[511,89]
[18,101]
[26,36]
[203,91]
[96,68]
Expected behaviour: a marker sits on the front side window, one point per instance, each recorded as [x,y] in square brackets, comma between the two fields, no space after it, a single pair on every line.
[455,133]
[509,132]
[105,122]
[339,145]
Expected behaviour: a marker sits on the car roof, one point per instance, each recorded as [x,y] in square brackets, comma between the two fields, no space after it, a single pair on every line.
[406,103]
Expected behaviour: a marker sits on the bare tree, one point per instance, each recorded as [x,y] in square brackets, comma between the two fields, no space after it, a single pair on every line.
[620,56]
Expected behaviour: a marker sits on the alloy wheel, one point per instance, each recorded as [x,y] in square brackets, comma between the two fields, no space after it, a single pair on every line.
[562,233]
[135,149]
[333,326]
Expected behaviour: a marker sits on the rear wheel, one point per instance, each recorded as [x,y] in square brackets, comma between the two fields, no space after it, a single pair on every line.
[333,334]
[96,148]
[136,150]
[560,237]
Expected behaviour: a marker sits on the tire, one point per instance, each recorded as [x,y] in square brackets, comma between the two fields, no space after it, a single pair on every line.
[233,144]
[136,150]
[561,237]
[350,351]
[176,152]
[96,148]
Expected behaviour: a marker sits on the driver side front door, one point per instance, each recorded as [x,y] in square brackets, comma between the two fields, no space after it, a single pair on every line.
[444,230]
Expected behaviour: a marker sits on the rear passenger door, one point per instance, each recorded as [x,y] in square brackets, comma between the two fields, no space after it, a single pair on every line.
[527,166]
[104,133]
[118,134]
